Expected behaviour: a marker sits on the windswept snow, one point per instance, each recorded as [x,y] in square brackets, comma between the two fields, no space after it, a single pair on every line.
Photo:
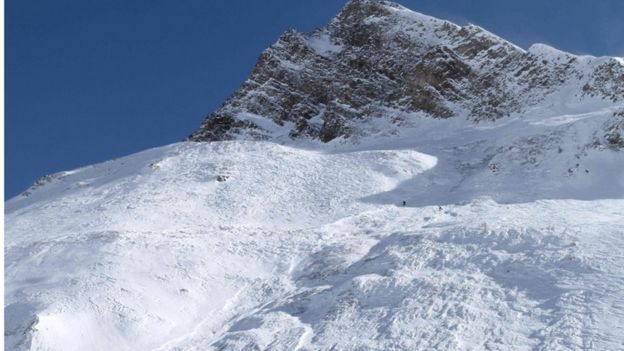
[242,244]
[144,249]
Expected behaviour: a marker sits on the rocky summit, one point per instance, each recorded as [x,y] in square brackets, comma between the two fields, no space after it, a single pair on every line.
[377,60]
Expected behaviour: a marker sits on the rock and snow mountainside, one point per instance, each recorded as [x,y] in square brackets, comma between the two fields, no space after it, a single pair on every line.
[378,61]
[288,230]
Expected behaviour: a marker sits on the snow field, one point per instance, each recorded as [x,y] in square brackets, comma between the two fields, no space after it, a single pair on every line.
[288,252]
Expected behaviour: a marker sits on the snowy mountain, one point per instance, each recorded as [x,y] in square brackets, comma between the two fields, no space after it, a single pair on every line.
[378,62]
[389,182]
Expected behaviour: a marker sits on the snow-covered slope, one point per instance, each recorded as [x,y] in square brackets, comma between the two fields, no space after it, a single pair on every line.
[254,245]
[510,238]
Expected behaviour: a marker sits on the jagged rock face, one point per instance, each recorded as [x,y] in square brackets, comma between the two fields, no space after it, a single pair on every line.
[378,60]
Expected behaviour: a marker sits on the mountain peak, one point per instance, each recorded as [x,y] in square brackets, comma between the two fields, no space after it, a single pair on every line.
[379,61]
[471,197]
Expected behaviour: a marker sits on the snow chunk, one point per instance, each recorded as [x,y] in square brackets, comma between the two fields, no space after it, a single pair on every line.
[266,124]
[323,45]
[481,32]
[289,65]
[417,16]
[548,52]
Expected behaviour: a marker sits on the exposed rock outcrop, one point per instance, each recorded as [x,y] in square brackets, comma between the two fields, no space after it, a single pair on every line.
[376,56]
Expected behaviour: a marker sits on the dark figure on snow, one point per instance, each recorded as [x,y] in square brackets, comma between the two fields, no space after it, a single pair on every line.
[404,203]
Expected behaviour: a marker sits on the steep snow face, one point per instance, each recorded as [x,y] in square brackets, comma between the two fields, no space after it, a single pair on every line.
[510,237]
[134,253]
[376,55]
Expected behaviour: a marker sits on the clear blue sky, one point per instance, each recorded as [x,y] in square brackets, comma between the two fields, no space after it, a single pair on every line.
[92,80]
